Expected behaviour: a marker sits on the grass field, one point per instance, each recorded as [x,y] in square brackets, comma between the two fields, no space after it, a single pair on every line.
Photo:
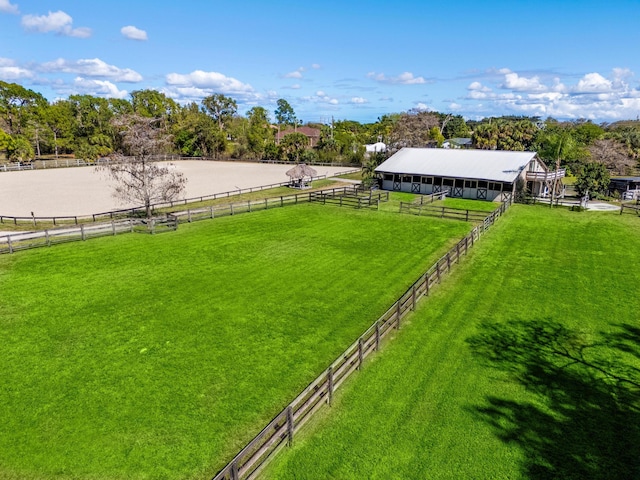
[525,364]
[159,356]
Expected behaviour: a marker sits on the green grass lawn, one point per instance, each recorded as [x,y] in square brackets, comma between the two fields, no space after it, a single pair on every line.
[525,364]
[141,356]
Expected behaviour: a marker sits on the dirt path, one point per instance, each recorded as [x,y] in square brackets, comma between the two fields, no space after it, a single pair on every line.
[83,191]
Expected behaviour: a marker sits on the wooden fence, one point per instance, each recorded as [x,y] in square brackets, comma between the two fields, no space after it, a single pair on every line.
[45,238]
[281,430]
[422,199]
[139,211]
[356,198]
[631,208]
[39,164]
[443,212]
[25,240]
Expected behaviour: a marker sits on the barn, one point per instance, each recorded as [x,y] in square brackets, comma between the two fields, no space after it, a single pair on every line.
[466,173]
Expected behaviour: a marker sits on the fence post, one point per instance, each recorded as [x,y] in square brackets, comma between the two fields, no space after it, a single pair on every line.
[189,215]
[448,263]
[290,424]
[467,217]
[281,201]
[377,335]
[398,308]
[153,226]
[360,353]
[413,297]
[82,232]
[113,227]
[266,204]
[10,245]
[427,280]
[438,270]
[46,235]
[131,224]
[211,209]
[231,207]
[234,471]
[249,205]
[330,384]
[458,252]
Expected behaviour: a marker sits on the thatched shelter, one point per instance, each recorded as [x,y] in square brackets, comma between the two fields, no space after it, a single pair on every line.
[300,174]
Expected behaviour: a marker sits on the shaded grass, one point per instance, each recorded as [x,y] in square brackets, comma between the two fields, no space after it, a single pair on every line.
[159,356]
[525,364]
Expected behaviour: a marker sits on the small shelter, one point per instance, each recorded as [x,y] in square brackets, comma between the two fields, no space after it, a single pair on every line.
[300,175]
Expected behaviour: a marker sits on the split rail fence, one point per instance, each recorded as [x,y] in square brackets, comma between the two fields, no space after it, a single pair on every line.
[281,430]
[25,240]
[442,212]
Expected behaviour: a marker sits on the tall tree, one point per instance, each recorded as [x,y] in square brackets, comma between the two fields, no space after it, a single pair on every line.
[137,177]
[412,129]
[220,108]
[152,104]
[592,179]
[284,113]
[17,106]
[293,144]
[259,132]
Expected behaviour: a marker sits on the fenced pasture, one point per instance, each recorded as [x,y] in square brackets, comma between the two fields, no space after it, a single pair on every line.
[350,196]
[443,212]
[524,364]
[253,457]
[141,356]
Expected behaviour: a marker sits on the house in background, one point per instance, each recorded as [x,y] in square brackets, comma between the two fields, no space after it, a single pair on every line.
[313,134]
[628,187]
[457,143]
[467,173]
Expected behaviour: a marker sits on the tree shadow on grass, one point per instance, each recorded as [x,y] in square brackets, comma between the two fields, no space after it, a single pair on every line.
[583,417]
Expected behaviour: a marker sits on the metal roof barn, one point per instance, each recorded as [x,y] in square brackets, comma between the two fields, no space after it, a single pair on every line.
[494,165]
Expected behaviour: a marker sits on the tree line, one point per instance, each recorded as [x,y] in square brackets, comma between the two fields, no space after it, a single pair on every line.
[83,125]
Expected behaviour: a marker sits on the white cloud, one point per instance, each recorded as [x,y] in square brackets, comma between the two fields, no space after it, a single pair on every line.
[315,66]
[422,106]
[295,86]
[295,74]
[594,96]
[209,80]
[359,100]
[512,81]
[405,78]
[7,7]
[593,83]
[101,88]
[57,22]
[92,67]
[10,71]
[133,33]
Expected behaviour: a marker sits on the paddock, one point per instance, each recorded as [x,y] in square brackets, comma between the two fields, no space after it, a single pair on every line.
[84,190]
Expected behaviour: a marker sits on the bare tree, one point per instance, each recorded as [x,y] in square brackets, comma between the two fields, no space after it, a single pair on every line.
[614,156]
[137,177]
[412,129]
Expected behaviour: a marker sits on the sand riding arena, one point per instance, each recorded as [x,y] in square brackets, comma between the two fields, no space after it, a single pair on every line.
[85,191]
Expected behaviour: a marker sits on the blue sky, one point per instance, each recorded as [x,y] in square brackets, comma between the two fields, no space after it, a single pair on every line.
[348,60]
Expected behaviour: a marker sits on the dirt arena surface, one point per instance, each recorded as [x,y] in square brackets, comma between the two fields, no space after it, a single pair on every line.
[84,191]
